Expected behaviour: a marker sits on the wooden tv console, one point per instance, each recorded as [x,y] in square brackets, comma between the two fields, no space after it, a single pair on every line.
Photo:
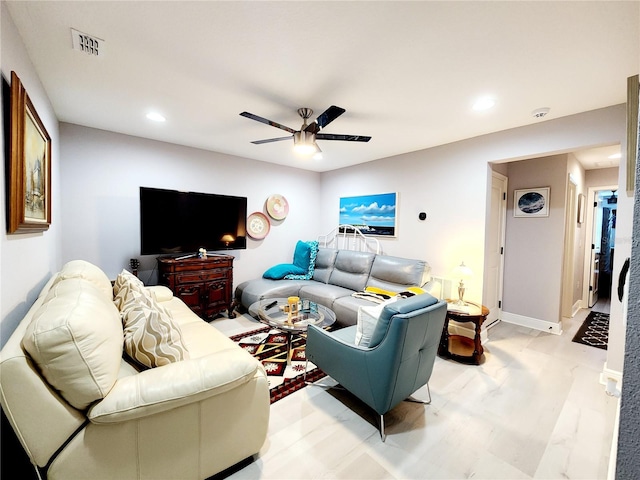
[204,284]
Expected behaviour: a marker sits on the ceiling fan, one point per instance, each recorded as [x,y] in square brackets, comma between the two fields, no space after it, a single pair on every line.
[304,140]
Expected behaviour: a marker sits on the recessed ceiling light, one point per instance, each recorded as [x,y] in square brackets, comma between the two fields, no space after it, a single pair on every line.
[155,116]
[484,103]
[615,155]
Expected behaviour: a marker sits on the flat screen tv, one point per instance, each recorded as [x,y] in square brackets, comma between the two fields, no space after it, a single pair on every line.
[175,222]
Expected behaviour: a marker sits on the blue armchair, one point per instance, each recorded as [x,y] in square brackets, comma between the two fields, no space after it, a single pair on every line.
[398,360]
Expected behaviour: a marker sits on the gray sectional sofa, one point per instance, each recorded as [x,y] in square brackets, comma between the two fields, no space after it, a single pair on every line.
[338,274]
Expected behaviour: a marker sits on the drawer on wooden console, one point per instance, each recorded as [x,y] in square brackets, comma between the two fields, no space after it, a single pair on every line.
[200,276]
[194,266]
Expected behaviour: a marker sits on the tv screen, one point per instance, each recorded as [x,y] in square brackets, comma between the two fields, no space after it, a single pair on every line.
[173,222]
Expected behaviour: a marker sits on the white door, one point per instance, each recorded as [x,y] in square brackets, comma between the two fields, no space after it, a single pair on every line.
[494,248]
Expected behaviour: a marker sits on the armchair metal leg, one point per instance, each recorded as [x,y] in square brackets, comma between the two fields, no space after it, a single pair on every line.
[337,386]
[411,398]
[383,435]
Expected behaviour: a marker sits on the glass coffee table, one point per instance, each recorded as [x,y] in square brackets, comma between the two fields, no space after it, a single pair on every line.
[271,311]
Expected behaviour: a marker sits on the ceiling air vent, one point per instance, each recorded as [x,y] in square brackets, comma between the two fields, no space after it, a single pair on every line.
[87,44]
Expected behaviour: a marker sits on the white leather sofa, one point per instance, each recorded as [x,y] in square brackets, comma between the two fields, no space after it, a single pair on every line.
[84,410]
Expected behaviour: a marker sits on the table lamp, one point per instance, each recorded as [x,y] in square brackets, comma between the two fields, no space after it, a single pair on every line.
[227,239]
[462,272]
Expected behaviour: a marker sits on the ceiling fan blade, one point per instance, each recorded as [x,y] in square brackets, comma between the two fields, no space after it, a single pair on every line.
[328,116]
[347,138]
[268,122]
[269,140]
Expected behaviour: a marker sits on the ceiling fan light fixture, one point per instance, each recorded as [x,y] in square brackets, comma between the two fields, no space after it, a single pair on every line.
[304,143]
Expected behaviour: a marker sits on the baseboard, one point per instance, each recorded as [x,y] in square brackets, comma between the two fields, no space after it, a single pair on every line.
[576,308]
[530,322]
[612,380]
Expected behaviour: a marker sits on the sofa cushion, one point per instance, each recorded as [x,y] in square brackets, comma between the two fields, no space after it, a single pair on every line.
[351,269]
[87,271]
[75,340]
[252,291]
[346,310]
[323,294]
[151,337]
[394,273]
[325,260]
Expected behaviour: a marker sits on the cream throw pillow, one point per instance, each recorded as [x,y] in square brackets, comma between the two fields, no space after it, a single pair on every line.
[151,337]
[367,321]
[125,281]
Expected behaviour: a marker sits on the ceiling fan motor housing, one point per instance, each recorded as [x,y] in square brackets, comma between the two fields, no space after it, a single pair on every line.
[305,113]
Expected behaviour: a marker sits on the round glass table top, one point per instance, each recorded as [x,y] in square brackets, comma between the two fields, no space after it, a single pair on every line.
[272,311]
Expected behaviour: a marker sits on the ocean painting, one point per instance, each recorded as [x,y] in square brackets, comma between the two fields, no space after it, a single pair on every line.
[372,214]
[532,202]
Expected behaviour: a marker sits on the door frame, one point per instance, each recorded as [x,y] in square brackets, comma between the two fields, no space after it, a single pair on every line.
[589,224]
[494,316]
[566,304]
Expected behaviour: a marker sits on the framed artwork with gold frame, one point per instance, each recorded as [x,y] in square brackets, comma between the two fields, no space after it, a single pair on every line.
[30,165]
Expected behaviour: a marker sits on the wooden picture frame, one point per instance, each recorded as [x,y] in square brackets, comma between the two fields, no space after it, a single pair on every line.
[531,202]
[30,166]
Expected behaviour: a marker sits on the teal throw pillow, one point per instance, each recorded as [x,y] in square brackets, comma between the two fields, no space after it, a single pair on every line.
[278,272]
[304,257]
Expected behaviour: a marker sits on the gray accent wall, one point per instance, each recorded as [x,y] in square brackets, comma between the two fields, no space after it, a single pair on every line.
[628,453]
[534,246]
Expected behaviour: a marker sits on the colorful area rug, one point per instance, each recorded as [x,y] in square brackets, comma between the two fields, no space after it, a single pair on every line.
[269,345]
[594,331]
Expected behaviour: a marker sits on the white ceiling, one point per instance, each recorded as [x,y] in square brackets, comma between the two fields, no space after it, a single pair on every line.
[407,73]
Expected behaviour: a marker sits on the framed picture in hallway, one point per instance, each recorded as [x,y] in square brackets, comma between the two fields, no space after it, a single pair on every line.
[581,208]
[531,202]
[30,165]
[374,215]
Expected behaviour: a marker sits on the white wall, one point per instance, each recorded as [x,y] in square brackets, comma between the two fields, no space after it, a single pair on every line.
[447,183]
[101,175]
[26,260]
[450,184]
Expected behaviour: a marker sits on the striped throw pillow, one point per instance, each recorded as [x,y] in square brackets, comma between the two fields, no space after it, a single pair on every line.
[151,337]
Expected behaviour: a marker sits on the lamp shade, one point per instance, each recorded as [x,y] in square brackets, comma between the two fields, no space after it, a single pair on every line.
[462,272]
[227,239]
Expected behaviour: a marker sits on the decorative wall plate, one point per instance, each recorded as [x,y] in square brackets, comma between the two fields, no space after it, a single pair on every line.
[258,225]
[277,207]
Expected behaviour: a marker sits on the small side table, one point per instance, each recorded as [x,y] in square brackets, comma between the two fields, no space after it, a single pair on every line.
[458,347]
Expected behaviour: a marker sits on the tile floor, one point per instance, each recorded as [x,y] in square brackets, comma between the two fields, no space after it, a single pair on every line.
[533,409]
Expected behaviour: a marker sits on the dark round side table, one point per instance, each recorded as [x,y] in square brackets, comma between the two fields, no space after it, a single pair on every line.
[458,347]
